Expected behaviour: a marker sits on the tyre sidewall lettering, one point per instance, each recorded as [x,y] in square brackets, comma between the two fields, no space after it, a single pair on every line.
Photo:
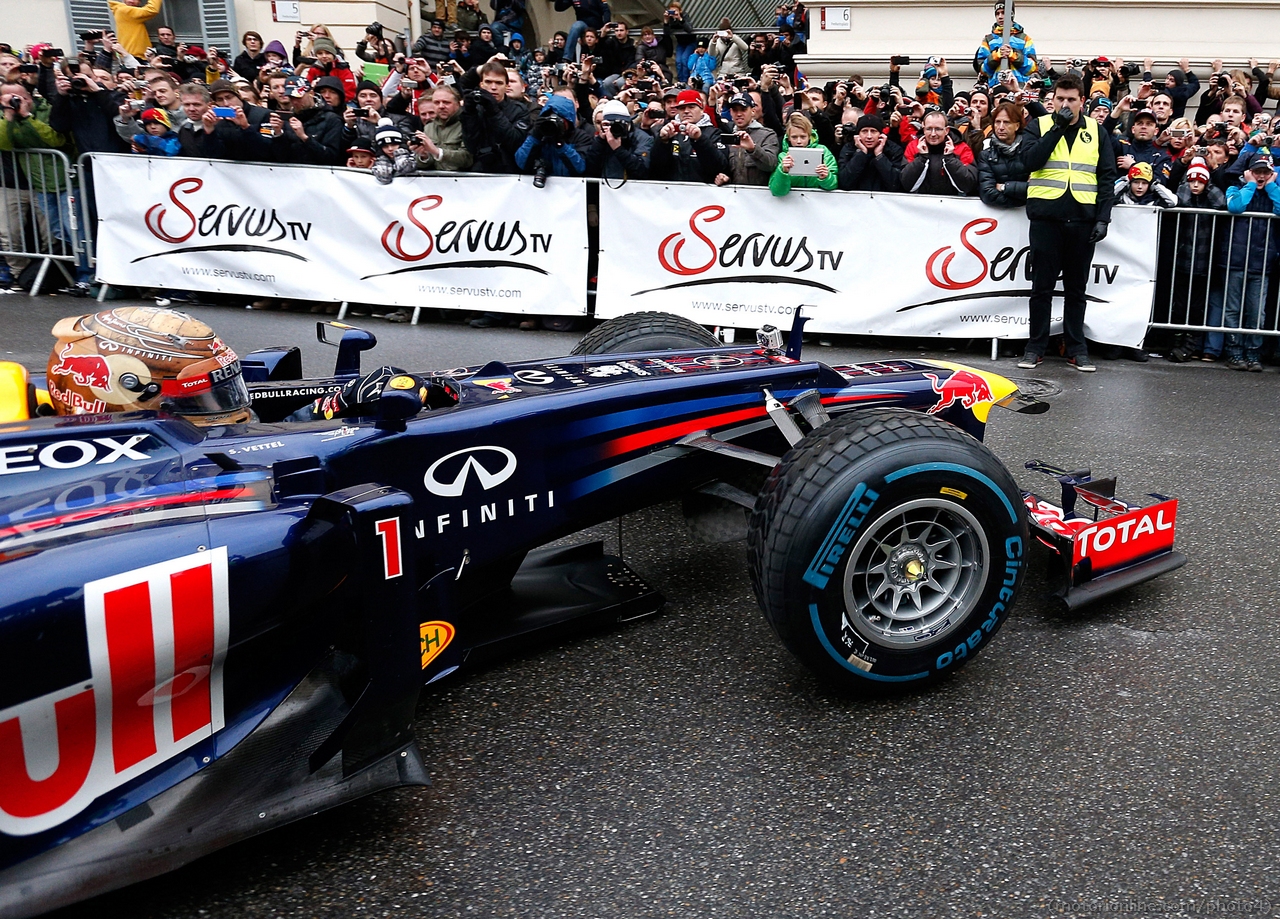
[858,505]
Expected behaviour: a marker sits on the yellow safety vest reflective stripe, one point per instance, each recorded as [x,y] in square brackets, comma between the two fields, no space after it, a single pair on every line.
[1073,167]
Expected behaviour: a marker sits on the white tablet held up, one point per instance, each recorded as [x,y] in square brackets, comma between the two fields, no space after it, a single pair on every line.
[805,160]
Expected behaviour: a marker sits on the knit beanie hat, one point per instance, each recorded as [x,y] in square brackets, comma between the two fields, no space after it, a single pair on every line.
[387,133]
[870,121]
[157,115]
[324,44]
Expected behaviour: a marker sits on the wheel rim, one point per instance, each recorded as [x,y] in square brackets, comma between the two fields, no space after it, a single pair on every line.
[915,573]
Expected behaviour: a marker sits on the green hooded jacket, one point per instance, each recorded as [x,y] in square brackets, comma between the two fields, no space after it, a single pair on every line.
[781,182]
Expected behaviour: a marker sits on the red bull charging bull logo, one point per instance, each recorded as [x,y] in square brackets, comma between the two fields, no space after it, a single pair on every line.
[86,369]
[963,387]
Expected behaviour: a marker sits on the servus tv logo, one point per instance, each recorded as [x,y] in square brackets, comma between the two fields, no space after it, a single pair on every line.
[157,639]
[972,260]
[416,236]
[230,226]
[756,258]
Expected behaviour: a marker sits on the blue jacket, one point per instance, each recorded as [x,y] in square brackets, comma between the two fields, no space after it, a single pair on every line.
[1023,62]
[167,144]
[1252,244]
[704,66]
[563,159]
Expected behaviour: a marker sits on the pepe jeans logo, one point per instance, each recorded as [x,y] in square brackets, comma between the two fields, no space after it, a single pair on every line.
[491,465]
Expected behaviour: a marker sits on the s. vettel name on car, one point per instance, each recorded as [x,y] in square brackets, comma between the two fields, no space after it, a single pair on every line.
[477,469]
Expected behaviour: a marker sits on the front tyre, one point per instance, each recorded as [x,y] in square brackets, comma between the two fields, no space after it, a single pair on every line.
[887,547]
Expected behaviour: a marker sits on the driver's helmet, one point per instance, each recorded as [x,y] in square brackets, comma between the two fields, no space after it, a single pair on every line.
[145,357]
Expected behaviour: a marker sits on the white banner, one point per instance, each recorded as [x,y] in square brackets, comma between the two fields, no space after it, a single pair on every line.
[862,263]
[477,243]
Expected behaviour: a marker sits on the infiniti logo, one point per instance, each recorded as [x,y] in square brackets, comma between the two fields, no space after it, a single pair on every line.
[491,470]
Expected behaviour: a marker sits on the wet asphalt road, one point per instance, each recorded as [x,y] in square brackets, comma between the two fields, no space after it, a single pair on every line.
[1118,760]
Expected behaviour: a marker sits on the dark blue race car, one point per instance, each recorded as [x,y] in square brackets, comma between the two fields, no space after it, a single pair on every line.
[209,632]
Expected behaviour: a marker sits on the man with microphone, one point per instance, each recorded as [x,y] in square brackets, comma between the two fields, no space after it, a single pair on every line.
[1072,166]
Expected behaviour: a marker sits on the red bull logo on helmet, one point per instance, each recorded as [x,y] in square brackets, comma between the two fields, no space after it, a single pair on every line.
[86,369]
[963,387]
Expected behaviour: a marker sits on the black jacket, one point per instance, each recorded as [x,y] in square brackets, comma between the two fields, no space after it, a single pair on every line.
[998,165]
[864,172]
[629,161]
[247,65]
[682,160]
[493,131]
[88,118]
[1036,151]
[939,174]
[323,146]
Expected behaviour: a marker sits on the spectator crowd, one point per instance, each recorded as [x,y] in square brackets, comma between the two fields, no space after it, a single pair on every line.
[664,102]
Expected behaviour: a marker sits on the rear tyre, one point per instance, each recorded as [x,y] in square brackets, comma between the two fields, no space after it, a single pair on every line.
[645,332]
[887,548]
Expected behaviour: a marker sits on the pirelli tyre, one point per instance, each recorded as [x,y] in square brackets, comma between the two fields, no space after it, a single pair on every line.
[645,332]
[887,548]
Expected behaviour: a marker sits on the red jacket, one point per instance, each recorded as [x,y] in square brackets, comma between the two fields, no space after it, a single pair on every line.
[337,69]
[962,151]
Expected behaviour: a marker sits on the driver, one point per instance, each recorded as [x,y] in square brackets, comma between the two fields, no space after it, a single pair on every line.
[145,357]
[139,358]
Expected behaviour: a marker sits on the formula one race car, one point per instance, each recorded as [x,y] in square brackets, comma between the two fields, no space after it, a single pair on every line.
[207,632]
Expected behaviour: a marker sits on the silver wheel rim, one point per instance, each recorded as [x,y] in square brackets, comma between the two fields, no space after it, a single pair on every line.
[915,573]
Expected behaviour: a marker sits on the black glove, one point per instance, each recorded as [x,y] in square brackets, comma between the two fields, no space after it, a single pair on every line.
[1099,232]
[1062,117]
[360,396]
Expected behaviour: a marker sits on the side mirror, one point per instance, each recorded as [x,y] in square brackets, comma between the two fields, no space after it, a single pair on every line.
[395,407]
[349,341]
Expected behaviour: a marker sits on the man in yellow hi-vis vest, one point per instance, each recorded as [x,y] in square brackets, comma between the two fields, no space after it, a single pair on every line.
[1072,166]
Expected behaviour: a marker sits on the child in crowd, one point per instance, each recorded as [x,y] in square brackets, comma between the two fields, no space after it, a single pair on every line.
[158,137]
[1193,260]
[393,158]
[360,154]
[1137,188]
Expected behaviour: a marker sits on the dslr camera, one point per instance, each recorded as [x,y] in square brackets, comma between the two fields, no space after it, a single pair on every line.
[550,129]
[93,35]
[619,127]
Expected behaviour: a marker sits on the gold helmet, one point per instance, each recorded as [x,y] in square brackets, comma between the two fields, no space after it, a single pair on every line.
[145,357]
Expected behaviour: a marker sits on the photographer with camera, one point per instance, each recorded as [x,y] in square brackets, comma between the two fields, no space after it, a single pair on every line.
[439,146]
[131,18]
[304,131]
[161,92]
[26,127]
[1070,191]
[688,148]
[493,126]
[361,119]
[751,147]
[680,37]
[729,50]
[619,150]
[869,160]
[375,47]
[551,147]
[84,107]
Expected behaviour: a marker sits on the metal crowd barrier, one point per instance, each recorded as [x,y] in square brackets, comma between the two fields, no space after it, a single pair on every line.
[38,219]
[1213,275]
